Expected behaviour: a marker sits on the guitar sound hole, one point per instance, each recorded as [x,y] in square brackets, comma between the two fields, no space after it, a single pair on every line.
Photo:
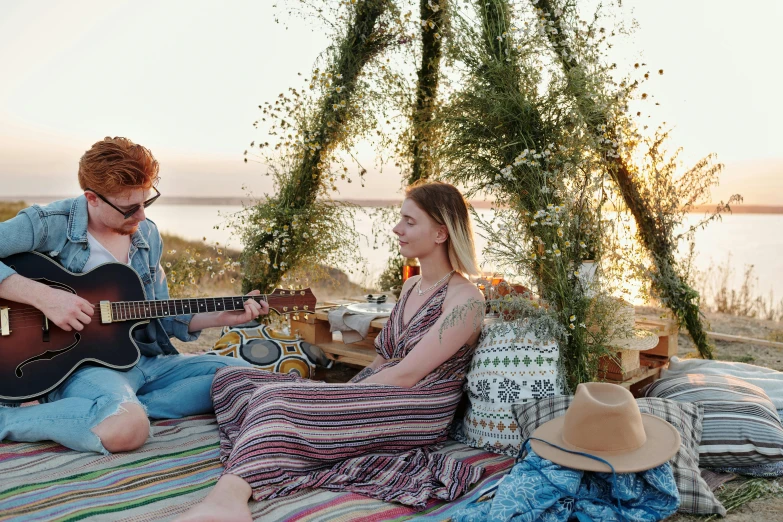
[47,355]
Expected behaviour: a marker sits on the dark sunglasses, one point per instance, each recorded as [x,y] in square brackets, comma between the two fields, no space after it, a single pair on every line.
[135,208]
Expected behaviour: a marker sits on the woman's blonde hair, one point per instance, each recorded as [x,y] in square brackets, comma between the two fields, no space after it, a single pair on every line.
[446,206]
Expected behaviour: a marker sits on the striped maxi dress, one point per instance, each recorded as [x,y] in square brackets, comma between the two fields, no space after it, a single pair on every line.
[282,433]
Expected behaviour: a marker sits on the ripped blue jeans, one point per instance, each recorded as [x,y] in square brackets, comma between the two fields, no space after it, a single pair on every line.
[167,387]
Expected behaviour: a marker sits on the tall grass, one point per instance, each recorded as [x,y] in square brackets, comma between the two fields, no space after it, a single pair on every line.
[10,209]
[719,293]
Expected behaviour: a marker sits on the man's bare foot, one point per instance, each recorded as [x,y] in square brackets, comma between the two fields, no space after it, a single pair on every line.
[227,502]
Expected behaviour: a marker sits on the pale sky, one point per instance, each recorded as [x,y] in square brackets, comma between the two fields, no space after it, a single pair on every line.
[185,79]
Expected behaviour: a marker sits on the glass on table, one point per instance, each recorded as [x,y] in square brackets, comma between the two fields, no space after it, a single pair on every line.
[410,268]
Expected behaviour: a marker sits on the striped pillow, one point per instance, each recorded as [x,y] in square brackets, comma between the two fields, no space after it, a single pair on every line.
[741,425]
[695,495]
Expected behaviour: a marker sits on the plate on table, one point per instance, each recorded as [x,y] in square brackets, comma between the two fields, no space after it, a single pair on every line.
[371,308]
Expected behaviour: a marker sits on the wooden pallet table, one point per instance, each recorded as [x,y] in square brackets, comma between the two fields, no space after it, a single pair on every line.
[648,371]
[651,362]
[315,330]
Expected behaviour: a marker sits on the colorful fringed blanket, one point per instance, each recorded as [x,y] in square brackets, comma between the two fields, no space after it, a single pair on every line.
[171,472]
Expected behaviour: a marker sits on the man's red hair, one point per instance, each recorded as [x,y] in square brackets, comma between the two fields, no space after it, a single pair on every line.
[115,165]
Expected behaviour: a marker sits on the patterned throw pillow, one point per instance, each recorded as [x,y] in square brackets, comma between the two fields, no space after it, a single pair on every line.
[507,368]
[695,495]
[741,425]
[270,350]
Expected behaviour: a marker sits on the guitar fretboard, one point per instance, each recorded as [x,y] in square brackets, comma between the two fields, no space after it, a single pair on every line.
[129,310]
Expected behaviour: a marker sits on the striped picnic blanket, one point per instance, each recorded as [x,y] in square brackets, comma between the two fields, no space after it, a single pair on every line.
[172,471]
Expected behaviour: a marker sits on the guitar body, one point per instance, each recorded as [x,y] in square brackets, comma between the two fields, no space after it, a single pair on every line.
[34,361]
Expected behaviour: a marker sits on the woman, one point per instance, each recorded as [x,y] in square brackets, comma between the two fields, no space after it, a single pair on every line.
[373,435]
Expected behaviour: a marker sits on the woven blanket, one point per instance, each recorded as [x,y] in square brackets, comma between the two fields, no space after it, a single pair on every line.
[171,472]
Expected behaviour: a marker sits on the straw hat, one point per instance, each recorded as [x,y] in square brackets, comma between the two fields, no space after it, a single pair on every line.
[628,337]
[604,421]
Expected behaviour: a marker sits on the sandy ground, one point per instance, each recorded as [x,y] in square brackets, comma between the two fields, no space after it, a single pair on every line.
[734,351]
[768,509]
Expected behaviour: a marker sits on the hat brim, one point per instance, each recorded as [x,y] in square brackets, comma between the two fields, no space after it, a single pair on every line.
[638,340]
[663,442]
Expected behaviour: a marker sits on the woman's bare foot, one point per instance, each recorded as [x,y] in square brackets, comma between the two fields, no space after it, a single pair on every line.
[227,502]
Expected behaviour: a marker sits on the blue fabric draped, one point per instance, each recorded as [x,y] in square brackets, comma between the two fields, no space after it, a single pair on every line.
[538,490]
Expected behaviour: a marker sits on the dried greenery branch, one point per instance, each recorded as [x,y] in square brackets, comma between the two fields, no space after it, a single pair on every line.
[512,135]
[434,25]
[300,227]
[668,280]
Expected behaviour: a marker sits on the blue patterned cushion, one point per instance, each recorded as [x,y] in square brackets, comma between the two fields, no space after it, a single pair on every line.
[695,495]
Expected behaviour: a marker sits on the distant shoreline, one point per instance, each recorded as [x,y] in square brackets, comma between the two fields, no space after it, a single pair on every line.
[233,201]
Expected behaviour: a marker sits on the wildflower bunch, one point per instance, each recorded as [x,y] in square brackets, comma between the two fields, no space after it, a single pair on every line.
[284,242]
[197,268]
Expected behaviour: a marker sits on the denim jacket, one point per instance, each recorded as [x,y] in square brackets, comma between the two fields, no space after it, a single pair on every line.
[59,230]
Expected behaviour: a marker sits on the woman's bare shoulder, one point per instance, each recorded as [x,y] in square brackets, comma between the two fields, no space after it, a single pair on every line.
[462,290]
[409,283]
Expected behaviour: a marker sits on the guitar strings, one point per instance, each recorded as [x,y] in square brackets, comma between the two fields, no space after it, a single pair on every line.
[22,324]
[23,320]
[244,298]
[32,312]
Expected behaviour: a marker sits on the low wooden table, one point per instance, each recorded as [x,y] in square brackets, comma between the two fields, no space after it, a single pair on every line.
[649,371]
[654,360]
[315,330]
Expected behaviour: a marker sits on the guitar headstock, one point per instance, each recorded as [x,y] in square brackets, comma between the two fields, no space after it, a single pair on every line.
[292,301]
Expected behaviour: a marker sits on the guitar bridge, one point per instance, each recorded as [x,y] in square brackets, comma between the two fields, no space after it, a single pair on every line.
[5,327]
[106,317]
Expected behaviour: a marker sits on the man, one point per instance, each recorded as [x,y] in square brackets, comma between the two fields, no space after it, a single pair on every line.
[97,408]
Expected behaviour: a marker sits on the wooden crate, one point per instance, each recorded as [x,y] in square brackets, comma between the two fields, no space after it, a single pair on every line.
[349,354]
[625,367]
[311,329]
[648,371]
[667,331]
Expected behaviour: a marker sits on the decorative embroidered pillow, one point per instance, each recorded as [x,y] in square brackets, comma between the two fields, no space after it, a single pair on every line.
[695,495]
[507,368]
[741,425]
[270,350]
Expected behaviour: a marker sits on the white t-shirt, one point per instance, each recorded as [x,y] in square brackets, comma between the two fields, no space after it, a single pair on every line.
[100,255]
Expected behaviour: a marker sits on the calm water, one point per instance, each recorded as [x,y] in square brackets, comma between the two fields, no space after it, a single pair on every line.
[750,239]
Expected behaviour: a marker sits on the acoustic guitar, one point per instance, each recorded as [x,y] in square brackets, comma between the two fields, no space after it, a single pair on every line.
[36,355]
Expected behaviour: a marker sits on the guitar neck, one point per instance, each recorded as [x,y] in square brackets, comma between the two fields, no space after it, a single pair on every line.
[131,310]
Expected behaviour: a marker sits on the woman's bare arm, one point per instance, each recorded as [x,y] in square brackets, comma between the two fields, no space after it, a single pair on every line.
[433,349]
